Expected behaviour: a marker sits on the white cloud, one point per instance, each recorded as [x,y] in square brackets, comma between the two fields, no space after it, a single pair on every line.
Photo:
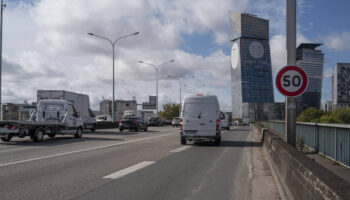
[279,52]
[47,47]
[338,41]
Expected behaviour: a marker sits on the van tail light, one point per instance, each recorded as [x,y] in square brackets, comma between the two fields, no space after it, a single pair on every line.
[134,121]
[120,121]
[217,124]
[180,123]
[11,127]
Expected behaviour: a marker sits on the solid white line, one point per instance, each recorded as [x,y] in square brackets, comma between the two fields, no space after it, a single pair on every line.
[180,149]
[129,170]
[82,150]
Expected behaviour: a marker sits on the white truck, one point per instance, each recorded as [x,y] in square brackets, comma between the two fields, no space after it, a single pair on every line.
[136,113]
[245,121]
[51,117]
[81,103]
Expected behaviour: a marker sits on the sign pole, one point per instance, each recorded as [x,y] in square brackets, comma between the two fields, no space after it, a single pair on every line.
[290,125]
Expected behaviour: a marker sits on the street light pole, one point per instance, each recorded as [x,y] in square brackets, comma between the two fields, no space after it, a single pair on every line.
[113,45]
[180,93]
[180,99]
[156,67]
[1,10]
[290,126]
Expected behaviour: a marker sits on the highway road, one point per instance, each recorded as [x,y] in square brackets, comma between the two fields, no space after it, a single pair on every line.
[108,164]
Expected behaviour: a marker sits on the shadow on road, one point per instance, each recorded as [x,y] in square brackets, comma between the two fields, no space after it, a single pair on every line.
[241,129]
[117,132]
[61,140]
[231,144]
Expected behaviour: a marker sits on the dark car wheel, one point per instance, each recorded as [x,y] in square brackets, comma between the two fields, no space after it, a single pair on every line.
[218,141]
[39,135]
[78,133]
[6,138]
[136,129]
[146,128]
[183,140]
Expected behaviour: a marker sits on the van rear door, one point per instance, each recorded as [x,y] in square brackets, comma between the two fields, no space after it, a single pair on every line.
[199,119]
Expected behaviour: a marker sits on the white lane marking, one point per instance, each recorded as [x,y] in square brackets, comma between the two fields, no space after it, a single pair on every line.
[82,150]
[180,149]
[129,170]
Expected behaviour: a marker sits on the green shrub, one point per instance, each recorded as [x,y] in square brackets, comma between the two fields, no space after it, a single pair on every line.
[310,114]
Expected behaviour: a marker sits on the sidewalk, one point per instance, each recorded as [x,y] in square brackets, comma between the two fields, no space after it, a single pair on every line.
[331,165]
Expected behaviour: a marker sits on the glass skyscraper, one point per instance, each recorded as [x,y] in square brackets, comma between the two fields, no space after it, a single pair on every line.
[251,74]
[310,60]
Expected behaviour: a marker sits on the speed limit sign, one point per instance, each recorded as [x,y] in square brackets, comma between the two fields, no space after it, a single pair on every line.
[291,81]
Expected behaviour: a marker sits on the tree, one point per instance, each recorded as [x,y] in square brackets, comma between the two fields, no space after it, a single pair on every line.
[310,115]
[329,119]
[342,114]
[169,111]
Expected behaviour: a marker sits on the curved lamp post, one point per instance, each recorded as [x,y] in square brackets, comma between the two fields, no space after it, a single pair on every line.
[113,45]
[180,81]
[156,67]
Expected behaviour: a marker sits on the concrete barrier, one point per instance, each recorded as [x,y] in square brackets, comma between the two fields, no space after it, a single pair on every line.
[301,177]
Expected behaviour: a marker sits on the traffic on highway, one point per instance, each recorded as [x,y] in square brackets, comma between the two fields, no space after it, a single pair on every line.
[174,100]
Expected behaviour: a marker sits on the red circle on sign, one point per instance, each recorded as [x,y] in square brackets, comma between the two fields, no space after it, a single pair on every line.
[297,92]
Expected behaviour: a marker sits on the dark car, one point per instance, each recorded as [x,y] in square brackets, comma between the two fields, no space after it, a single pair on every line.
[132,123]
[155,121]
[166,122]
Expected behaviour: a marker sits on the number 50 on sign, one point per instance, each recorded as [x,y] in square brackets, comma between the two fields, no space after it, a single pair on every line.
[291,81]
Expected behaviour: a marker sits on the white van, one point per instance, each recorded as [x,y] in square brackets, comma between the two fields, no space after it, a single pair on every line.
[224,121]
[200,119]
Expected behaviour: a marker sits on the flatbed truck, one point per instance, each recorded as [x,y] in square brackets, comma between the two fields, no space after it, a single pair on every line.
[51,117]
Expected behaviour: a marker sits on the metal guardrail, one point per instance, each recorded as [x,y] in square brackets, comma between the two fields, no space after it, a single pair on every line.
[331,140]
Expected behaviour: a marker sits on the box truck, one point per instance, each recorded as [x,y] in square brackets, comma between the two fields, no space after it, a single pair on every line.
[81,103]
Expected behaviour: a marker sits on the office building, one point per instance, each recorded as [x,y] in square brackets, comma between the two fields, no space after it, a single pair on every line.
[251,74]
[119,107]
[341,85]
[263,111]
[310,60]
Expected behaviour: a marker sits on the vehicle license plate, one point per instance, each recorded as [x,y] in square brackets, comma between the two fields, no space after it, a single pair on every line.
[191,132]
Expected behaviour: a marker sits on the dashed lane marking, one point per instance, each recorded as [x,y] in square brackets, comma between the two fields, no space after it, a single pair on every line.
[180,149]
[82,150]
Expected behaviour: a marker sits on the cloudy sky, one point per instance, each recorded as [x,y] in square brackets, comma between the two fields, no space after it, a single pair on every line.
[46,45]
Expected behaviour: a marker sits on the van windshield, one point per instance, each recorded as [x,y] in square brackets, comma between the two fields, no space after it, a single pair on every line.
[52,107]
[198,110]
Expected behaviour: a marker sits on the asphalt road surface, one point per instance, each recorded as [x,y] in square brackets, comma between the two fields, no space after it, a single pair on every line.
[108,164]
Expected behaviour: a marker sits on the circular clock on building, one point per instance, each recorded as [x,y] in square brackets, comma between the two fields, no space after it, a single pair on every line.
[256,49]
[234,56]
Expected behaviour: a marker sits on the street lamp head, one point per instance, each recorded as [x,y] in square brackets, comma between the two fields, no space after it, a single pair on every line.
[172,60]
[90,33]
[169,75]
[140,61]
[136,33]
